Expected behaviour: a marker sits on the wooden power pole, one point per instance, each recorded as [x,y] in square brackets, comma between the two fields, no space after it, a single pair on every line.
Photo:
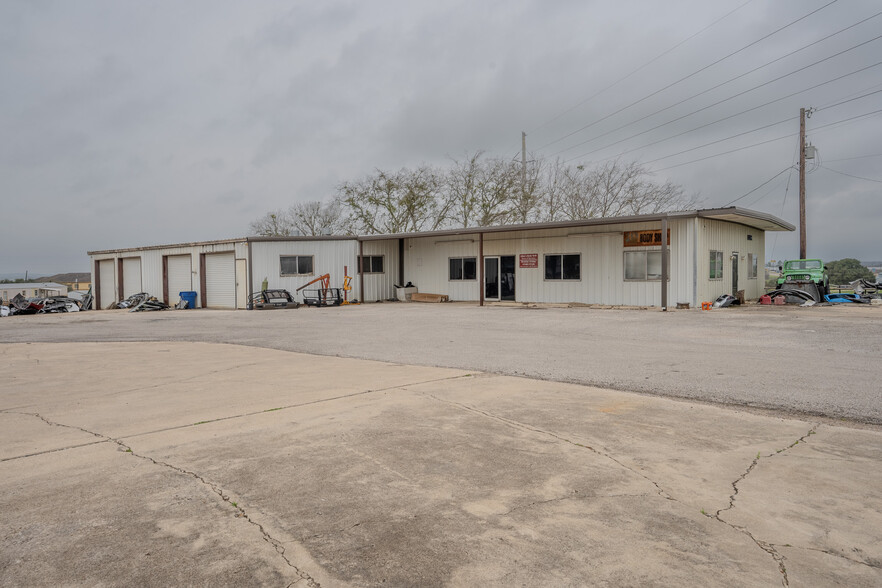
[802,254]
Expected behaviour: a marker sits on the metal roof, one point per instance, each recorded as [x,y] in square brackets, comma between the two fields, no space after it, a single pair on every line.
[743,216]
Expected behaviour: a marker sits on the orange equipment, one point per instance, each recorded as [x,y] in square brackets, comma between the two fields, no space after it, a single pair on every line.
[325,280]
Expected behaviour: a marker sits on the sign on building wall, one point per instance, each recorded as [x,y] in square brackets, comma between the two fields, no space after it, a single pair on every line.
[529,260]
[645,238]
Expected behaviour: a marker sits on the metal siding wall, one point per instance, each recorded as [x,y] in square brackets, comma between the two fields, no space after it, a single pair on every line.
[379,286]
[602,252]
[427,266]
[220,280]
[329,257]
[728,237]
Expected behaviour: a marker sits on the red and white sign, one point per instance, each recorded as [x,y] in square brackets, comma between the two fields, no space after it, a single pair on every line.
[530,260]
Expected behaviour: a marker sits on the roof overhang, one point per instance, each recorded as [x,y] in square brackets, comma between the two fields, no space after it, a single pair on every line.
[733,214]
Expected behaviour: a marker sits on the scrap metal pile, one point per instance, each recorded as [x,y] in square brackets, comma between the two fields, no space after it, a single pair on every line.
[45,305]
[142,301]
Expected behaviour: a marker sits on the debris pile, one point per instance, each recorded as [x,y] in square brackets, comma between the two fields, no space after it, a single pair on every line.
[43,305]
[142,301]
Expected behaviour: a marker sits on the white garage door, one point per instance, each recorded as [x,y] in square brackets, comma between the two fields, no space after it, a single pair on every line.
[179,277]
[220,280]
[107,283]
[131,269]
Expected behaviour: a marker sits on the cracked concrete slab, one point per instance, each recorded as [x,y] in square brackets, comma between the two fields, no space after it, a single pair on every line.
[244,466]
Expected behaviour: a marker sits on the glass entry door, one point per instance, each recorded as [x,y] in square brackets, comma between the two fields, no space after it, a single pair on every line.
[491,278]
[499,278]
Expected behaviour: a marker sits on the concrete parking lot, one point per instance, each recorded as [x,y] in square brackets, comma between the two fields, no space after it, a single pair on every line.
[184,461]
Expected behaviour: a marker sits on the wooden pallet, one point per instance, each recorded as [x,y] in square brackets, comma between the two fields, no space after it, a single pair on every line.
[424,297]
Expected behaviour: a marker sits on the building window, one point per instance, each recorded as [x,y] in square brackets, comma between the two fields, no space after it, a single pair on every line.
[463,268]
[751,266]
[643,265]
[563,266]
[370,264]
[716,265]
[295,265]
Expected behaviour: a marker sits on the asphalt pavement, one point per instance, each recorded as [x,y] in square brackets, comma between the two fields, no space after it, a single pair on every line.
[819,361]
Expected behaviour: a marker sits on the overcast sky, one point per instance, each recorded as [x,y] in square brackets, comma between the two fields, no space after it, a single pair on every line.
[139,123]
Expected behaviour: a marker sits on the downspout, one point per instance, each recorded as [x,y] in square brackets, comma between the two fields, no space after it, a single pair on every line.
[481,269]
[360,270]
[664,260]
[250,274]
[695,262]
[401,262]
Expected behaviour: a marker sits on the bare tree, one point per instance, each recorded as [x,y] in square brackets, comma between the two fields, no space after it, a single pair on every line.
[273,224]
[459,188]
[317,218]
[398,202]
[527,196]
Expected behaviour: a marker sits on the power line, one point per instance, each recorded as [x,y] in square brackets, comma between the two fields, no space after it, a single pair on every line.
[785,170]
[751,44]
[856,157]
[766,83]
[645,65]
[729,138]
[816,129]
[732,116]
[850,175]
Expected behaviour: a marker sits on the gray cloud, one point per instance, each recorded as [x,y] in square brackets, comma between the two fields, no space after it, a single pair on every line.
[137,123]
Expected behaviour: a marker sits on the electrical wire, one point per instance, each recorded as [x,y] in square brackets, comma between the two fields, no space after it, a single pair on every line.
[766,83]
[730,137]
[725,118]
[696,72]
[850,175]
[645,65]
[786,169]
[856,157]
[816,129]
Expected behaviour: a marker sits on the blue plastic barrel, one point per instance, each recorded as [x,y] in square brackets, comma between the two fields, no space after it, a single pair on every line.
[190,297]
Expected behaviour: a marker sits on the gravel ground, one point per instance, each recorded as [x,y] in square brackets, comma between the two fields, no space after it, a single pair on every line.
[819,361]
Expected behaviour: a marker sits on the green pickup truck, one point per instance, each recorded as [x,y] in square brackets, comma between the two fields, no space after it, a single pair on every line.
[802,271]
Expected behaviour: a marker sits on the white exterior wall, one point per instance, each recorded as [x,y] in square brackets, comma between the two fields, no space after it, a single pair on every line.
[602,264]
[714,235]
[379,286]
[151,266]
[329,257]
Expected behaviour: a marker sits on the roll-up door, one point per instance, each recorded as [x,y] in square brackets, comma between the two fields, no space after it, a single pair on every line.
[179,277]
[220,280]
[107,291]
[131,270]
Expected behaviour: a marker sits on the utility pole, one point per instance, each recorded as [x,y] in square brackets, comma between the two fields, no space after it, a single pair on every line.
[523,163]
[802,253]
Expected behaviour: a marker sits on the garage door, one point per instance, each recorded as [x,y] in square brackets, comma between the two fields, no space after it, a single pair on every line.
[179,277]
[220,280]
[107,283]
[131,276]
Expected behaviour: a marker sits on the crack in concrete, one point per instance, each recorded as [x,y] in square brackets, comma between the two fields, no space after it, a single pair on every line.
[876,565]
[756,460]
[766,547]
[574,496]
[240,511]
[523,426]
[52,424]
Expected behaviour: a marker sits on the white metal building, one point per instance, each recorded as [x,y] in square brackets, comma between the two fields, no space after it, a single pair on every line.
[31,290]
[615,261]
